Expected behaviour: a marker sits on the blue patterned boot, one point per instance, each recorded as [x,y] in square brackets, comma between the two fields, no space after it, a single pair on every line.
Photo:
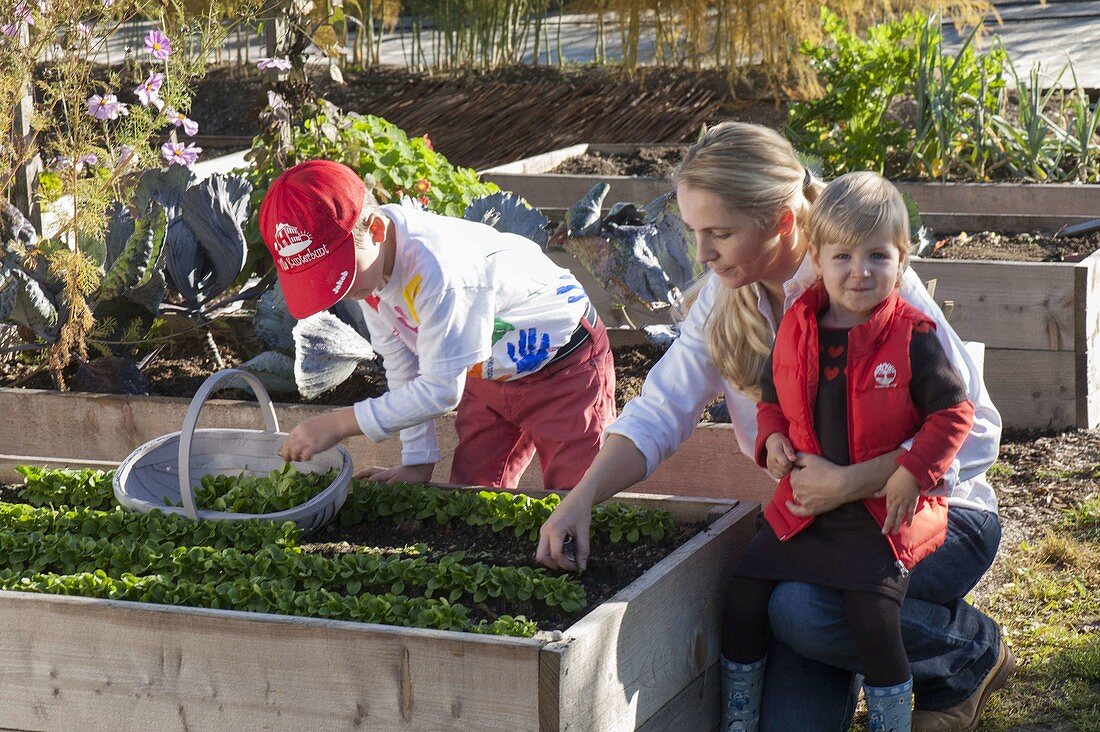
[890,708]
[742,687]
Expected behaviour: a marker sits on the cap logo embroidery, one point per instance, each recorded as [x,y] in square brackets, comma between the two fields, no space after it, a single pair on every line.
[340,282]
[885,373]
[290,240]
[295,247]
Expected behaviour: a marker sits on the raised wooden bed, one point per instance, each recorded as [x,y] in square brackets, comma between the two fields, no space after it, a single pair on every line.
[945,207]
[1039,321]
[646,659]
[49,427]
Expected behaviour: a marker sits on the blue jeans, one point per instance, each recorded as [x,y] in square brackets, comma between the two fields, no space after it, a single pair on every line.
[810,681]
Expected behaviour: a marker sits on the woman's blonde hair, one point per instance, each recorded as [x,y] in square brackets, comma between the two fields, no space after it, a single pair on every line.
[755,171]
[856,206]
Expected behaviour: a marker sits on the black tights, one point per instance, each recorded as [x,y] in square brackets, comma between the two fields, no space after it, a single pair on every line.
[874,620]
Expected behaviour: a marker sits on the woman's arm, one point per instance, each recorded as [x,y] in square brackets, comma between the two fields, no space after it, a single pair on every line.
[617,466]
[675,391]
[979,449]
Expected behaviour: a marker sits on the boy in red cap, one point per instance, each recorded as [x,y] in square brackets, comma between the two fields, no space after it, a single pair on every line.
[463,316]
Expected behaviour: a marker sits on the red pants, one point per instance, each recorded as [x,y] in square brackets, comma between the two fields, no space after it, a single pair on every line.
[560,411]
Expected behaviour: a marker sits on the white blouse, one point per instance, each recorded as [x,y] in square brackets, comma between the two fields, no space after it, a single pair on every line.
[685,380]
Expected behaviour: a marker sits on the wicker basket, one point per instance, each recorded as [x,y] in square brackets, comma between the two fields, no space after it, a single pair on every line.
[159,472]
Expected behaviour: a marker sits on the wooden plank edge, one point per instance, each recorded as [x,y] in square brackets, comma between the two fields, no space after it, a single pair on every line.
[537,164]
[595,619]
[377,629]
[550,688]
[696,707]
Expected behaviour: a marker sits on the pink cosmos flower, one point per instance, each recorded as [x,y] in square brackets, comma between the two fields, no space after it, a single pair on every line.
[158,44]
[106,107]
[125,156]
[282,64]
[190,126]
[22,15]
[177,153]
[148,91]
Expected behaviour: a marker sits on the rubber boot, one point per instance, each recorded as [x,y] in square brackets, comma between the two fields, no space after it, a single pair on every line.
[889,708]
[742,688]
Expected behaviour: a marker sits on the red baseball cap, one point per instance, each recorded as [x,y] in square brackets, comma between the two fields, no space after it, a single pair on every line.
[306,220]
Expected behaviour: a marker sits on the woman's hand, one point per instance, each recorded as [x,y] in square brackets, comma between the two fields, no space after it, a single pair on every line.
[572,518]
[398,473]
[617,466]
[819,485]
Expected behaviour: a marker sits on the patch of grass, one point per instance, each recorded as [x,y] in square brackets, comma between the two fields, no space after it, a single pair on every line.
[1050,611]
[1000,471]
[1084,518]
[1089,473]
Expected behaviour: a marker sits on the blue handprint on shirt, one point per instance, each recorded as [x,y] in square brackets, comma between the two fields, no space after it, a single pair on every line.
[529,358]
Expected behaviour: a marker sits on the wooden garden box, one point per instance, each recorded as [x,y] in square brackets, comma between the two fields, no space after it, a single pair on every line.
[54,428]
[1039,321]
[645,659]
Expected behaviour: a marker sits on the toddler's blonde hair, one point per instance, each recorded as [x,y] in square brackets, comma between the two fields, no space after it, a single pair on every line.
[755,171]
[856,206]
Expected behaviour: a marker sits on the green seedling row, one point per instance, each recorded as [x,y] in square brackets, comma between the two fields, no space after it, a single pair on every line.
[501,511]
[351,574]
[118,524]
[267,597]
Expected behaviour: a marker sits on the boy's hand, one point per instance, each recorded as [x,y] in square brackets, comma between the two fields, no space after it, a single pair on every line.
[318,434]
[398,473]
[901,492]
[781,455]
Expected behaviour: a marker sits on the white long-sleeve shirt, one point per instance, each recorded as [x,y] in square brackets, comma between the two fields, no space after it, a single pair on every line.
[685,380]
[463,301]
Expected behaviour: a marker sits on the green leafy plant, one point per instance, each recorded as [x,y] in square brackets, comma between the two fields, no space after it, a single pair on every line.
[61,547]
[279,490]
[56,487]
[501,511]
[393,164]
[93,136]
[954,118]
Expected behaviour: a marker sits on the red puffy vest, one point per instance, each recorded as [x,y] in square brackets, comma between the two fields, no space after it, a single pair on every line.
[881,413]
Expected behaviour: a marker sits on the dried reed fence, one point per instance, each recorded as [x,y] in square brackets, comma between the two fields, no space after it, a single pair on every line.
[486,120]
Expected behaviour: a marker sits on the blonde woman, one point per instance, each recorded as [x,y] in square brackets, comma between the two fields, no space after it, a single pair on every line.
[745,194]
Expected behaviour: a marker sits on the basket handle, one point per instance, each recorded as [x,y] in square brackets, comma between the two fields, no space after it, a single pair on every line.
[271,424]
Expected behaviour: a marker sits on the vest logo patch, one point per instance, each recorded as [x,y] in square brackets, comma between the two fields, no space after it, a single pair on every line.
[885,373]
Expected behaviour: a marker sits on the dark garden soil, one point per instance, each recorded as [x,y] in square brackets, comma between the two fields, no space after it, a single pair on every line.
[661,162]
[612,567]
[654,162]
[186,361]
[990,245]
